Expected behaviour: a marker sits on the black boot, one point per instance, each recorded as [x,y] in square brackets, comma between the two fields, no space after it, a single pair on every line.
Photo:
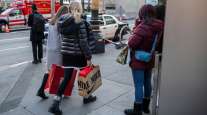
[55,108]
[89,99]
[146,103]
[41,92]
[40,60]
[136,111]
[35,62]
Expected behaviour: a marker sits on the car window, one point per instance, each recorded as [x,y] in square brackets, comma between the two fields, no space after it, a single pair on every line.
[6,11]
[109,20]
[88,18]
[100,18]
[18,12]
[15,12]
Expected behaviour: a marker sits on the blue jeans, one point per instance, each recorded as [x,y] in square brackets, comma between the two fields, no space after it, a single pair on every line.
[142,84]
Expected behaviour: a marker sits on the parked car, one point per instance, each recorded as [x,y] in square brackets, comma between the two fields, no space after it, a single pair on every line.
[111,27]
[124,17]
[1,9]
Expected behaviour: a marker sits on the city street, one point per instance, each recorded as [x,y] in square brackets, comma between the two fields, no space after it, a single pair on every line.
[15,53]
[14,48]
[169,35]
[20,80]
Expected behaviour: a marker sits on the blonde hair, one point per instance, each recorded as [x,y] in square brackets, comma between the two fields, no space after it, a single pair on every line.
[62,10]
[75,9]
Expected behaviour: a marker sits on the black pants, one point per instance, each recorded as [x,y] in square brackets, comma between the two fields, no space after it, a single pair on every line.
[74,61]
[63,85]
[37,49]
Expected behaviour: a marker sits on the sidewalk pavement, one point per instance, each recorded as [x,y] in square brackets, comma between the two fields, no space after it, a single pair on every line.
[113,97]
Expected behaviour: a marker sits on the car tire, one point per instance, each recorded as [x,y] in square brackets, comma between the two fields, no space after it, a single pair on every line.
[1,28]
[118,38]
[5,27]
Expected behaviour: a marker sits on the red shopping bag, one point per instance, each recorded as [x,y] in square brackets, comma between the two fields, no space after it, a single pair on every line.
[55,78]
[85,71]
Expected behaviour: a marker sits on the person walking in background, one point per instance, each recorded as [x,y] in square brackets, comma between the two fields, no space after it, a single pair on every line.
[142,39]
[75,50]
[36,21]
[53,54]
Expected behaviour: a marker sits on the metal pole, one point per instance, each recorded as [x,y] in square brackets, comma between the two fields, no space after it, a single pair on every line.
[61,2]
[89,4]
[83,5]
[162,2]
[52,8]
[95,24]
[95,8]
[104,6]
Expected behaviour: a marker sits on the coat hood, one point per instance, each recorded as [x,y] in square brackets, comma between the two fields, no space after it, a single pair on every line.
[147,11]
[156,25]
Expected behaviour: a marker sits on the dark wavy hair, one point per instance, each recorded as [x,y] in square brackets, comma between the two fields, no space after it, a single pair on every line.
[34,7]
[147,13]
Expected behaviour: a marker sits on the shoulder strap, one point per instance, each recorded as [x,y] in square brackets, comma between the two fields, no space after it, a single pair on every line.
[155,37]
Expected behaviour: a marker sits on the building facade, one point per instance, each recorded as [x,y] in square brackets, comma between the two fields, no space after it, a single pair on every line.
[5,3]
[129,7]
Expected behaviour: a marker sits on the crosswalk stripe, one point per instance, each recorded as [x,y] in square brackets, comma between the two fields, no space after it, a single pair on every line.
[19,64]
[13,39]
[3,68]
[22,47]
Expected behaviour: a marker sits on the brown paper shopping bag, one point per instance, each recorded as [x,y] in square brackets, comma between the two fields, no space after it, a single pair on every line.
[89,80]
[122,57]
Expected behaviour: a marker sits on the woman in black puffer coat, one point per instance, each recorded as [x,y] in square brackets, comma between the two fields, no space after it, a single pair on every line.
[75,49]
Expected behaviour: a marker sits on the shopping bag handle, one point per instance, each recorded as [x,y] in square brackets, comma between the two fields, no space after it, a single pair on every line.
[92,66]
[70,67]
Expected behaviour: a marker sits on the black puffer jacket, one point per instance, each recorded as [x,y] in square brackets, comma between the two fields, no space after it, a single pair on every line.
[74,37]
[91,37]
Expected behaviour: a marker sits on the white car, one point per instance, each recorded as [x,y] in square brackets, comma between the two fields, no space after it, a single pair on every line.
[111,27]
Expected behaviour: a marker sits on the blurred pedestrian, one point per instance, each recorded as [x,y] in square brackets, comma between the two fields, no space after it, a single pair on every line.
[75,50]
[53,54]
[142,39]
[36,21]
